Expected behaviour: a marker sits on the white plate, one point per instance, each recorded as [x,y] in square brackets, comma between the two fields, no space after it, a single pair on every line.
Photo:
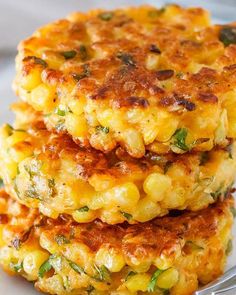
[30,14]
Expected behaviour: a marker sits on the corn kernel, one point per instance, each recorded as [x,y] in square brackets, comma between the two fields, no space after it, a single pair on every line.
[77,126]
[138,282]
[222,128]
[32,80]
[152,61]
[146,210]
[168,278]
[133,142]
[126,196]
[156,185]
[42,98]
[33,261]
[111,258]
[77,105]
[16,137]
[83,217]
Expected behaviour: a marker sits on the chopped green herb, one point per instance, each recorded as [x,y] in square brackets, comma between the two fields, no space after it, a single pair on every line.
[228,35]
[16,243]
[9,129]
[129,275]
[90,289]
[60,112]
[233,211]
[76,267]
[60,126]
[83,52]
[229,247]
[61,240]
[126,215]
[180,75]
[194,246]
[179,137]
[126,58]
[156,12]
[83,209]
[84,74]
[167,166]
[36,60]
[17,267]
[1,182]
[102,129]
[45,267]
[106,16]
[215,195]
[103,273]
[51,185]
[32,192]
[204,158]
[229,149]
[69,54]
[152,283]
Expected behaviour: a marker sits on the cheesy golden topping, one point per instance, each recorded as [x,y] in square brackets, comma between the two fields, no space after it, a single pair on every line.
[141,78]
[49,171]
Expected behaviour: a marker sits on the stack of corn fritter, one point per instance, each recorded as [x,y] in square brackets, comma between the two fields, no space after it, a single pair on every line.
[119,167]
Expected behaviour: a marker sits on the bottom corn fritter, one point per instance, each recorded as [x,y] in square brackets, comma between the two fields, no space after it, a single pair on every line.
[169,255]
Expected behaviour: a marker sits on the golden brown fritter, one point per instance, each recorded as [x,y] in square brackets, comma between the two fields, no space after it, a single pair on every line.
[169,255]
[49,171]
[141,78]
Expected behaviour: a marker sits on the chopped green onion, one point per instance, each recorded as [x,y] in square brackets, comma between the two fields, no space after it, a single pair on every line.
[126,215]
[228,35]
[102,129]
[83,209]
[129,275]
[179,137]
[103,273]
[61,240]
[229,247]
[45,267]
[69,54]
[233,211]
[76,267]
[106,16]
[17,267]
[153,281]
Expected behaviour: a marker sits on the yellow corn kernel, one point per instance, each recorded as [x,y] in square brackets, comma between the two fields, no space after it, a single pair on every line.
[77,252]
[76,125]
[138,282]
[6,255]
[126,196]
[11,169]
[222,128]
[48,244]
[32,80]
[152,61]
[33,261]
[83,217]
[146,210]
[42,98]
[110,119]
[156,185]
[168,279]
[19,156]
[133,142]
[77,105]
[169,124]
[16,137]
[101,182]
[111,258]
[53,59]
[175,199]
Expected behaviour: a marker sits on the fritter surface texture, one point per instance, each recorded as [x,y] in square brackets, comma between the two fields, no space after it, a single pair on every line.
[49,171]
[169,255]
[141,78]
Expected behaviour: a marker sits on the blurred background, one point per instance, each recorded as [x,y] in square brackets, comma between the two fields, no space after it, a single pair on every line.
[18,19]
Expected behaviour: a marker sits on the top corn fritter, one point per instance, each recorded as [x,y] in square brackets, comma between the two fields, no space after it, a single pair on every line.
[144,78]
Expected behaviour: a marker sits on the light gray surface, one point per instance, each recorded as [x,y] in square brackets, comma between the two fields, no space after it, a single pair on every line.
[19,18]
